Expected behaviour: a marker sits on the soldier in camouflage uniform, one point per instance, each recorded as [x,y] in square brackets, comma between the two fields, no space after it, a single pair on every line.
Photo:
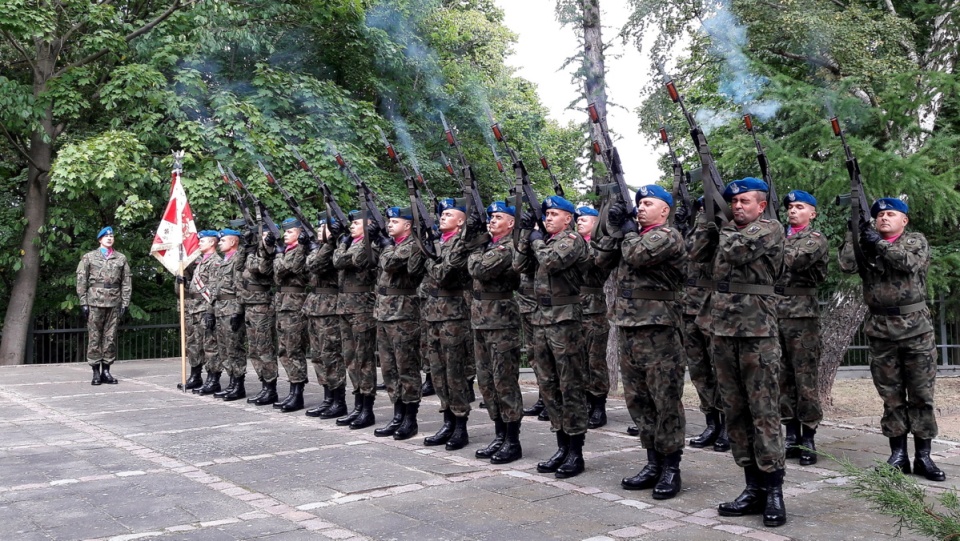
[596,327]
[398,323]
[555,256]
[290,275]
[256,297]
[747,256]
[893,263]
[527,305]
[200,279]
[104,287]
[357,273]
[231,337]
[805,255]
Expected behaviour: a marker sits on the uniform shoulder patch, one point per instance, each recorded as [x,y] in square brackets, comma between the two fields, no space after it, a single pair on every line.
[816,233]
[753,228]
[911,241]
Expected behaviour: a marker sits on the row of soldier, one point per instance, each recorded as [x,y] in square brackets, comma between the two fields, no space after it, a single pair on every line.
[735,303]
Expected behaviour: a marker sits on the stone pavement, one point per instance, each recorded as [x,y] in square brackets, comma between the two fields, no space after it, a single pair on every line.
[141,460]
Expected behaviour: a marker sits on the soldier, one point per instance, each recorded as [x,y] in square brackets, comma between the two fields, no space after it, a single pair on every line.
[555,255]
[805,254]
[200,279]
[447,322]
[596,328]
[326,353]
[747,255]
[356,275]
[258,314]
[290,274]
[104,287]
[903,360]
[398,324]
[496,322]
[231,337]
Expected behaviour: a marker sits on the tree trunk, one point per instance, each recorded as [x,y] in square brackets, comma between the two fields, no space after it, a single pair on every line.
[593,68]
[838,324]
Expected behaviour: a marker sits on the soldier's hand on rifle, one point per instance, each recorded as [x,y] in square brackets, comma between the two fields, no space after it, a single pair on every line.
[269,240]
[346,240]
[630,226]
[210,321]
[475,225]
[123,312]
[236,321]
[304,239]
[536,234]
[528,220]
[869,238]
[85,310]
[372,230]
[383,240]
[336,229]
[682,215]
[249,238]
[617,215]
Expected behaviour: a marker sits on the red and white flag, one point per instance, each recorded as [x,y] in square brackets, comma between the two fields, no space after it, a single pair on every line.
[176,228]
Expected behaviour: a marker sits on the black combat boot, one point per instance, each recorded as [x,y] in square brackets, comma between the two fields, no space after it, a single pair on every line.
[280,403]
[535,409]
[598,411]
[295,403]
[573,465]
[511,450]
[238,392]
[899,458]
[427,388]
[459,439]
[211,386]
[357,408]
[808,455]
[668,485]
[633,430]
[753,499]
[195,381]
[409,427]
[442,435]
[792,438]
[259,395]
[648,476]
[322,406]
[923,465]
[552,463]
[208,383]
[96,374]
[500,434]
[774,513]
[228,390]
[544,415]
[722,443]
[105,376]
[390,428]
[270,396]
[366,417]
[473,394]
[338,403]
[710,432]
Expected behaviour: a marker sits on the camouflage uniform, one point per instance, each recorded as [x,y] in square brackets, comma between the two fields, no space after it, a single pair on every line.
[649,274]
[596,327]
[356,276]
[696,339]
[105,286]
[320,308]
[742,318]
[397,312]
[496,324]
[259,316]
[201,279]
[232,347]
[290,274]
[903,355]
[805,255]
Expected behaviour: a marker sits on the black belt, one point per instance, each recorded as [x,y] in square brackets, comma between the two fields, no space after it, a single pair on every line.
[326,290]
[292,289]
[701,283]
[257,289]
[396,291]
[795,291]
[584,290]
[746,289]
[493,295]
[648,294]
[897,310]
[437,292]
[105,285]
[358,289]
[226,297]
[558,301]
[193,295]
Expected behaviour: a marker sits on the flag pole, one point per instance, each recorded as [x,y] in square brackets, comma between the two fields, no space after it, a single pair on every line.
[183,329]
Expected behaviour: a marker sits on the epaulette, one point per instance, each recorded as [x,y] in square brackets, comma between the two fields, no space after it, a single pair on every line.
[764,220]
[815,233]
[667,229]
[572,235]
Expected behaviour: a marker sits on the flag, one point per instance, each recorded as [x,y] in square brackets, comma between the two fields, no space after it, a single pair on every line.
[176,227]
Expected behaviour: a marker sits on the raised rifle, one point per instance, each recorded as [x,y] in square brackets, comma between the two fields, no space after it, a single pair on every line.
[244,209]
[503,172]
[263,214]
[329,201]
[772,212]
[523,190]
[471,191]
[557,188]
[681,189]
[291,202]
[368,203]
[857,198]
[616,190]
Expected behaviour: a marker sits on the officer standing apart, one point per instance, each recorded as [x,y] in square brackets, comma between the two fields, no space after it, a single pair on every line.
[903,355]
[290,274]
[747,256]
[596,327]
[805,255]
[555,256]
[200,281]
[231,338]
[104,286]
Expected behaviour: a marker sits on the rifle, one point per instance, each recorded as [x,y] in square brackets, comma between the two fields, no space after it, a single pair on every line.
[244,209]
[329,201]
[857,198]
[611,159]
[523,190]
[427,233]
[557,188]
[713,187]
[291,202]
[681,188]
[263,214]
[470,190]
[772,211]
[368,203]
[503,173]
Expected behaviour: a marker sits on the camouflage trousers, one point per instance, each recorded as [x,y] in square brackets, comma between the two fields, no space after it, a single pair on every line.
[261,346]
[696,346]
[447,344]
[291,344]
[560,366]
[904,373]
[498,372]
[748,375]
[202,346]
[232,348]
[651,365]
[326,352]
[398,342]
[800,346]
[358,339]
[526,340]
[596,330]
[102,335]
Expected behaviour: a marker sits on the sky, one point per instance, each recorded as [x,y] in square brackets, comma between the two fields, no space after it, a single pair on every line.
[542,47]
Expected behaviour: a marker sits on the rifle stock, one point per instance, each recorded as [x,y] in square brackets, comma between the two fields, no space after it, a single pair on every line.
[291,202]
[329,201]
[681,187]
[773,201]
[470,188]
[617,190]
[263,213]
[557,188]
[244,209]
[859,206]
[523,189]
[367,200]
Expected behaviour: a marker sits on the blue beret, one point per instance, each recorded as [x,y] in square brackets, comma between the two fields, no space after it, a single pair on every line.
[290,223]
[450,203]
[586,211]
[799,196]
[748,184]
[354,215]
[208,233]
[656,192]
[888,203]
[405,213]
[105,231]
[500,206]
[229,233]
[558,203]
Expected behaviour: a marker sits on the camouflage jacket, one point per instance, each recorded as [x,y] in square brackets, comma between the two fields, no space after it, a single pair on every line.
[104,281]
[322,298]
[594,276]
[648,264]
[290,274]
[444,281]
[749,256]
[201,277]
[257,275]
[525,301]
[494,280]
[693,295]
[228,278]
[356,276]
[397,298]
[898,277]
[805,256]
[557,278]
